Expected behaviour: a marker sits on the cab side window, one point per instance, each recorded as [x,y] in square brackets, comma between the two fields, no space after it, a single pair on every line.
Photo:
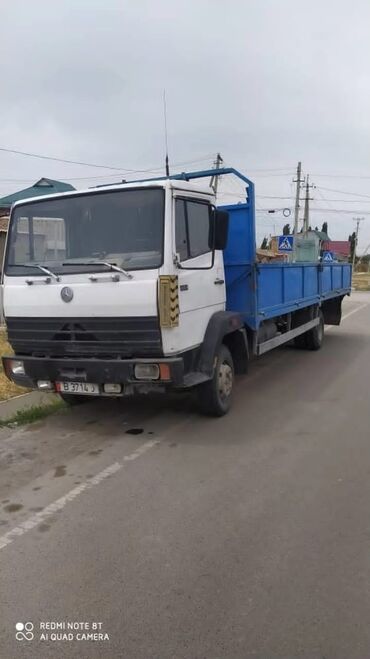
[192,228]
[182,246]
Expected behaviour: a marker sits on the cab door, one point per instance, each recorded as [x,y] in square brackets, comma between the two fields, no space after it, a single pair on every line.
[201,283]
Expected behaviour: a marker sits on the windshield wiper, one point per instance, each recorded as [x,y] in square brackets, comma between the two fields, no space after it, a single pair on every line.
[111,266]
[46,271]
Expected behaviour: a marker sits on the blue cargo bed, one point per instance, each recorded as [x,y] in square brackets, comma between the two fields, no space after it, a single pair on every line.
[265,290]
[262,291]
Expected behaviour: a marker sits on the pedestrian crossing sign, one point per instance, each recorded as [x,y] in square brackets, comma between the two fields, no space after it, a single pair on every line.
[285,243]
[328,257]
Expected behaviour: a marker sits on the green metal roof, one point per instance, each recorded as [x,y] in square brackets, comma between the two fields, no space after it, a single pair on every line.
[322,235]
[43,186]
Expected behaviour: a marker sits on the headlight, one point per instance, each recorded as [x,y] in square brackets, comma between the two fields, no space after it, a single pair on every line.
[146,371]
[17,367]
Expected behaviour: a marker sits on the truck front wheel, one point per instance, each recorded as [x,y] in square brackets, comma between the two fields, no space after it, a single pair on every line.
[215,396]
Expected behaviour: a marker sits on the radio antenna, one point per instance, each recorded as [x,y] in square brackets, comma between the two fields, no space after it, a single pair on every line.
[165,132]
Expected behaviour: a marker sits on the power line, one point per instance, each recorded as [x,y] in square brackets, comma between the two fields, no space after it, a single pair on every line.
[358,176]
[98,178]
[327,202]
[320,210]
[290,168]
[264,196]
[355,194]
[289,173]
[271,169]
[122,169]
[343,201]
[70,162]
[259,196]
[314,209]
[87,164]
[340,210]
[347,201]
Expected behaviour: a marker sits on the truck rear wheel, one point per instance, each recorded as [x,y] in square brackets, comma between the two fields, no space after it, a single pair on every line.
[215,396]
[315,337]
[300,341]
[312,340]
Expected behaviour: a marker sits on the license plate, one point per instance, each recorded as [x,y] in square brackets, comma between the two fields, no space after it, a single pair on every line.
[85,388]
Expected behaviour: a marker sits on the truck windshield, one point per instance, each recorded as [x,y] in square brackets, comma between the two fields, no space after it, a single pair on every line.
[80,233]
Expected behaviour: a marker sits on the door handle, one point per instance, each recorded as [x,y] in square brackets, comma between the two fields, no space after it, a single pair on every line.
[219,281]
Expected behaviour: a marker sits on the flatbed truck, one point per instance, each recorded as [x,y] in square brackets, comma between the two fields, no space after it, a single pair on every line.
[149,286]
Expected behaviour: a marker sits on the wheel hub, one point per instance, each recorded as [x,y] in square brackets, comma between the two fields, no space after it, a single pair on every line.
[225,380]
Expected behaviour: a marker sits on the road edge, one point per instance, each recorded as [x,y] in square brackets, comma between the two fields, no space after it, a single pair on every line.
[10,407]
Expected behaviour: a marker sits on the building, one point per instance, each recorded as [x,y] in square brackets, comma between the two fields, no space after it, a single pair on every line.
[340,248]
[42,187]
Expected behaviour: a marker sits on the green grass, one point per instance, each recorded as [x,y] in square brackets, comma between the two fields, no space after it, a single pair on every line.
[32,414]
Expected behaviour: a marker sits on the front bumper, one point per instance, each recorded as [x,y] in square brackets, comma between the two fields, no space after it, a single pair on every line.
[100,371]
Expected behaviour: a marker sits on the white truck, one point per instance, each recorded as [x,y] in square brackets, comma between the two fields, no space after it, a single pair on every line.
[144,286]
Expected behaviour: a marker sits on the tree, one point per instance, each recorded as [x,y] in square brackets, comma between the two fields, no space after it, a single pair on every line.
[316,228]
[286,230]
[324,227]
[352,241]
[264,244]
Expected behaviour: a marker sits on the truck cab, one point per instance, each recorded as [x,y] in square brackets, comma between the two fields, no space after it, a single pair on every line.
[110,291]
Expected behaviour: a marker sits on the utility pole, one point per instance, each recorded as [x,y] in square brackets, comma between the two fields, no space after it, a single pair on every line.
[214,180]
[307,199]
[298,181]
[357,220]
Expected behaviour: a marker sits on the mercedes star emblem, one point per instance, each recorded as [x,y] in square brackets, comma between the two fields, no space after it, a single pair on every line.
[66,294]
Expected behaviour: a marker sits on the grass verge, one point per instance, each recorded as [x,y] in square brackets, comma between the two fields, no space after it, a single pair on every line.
[361,281]
[32,414]
[7,388]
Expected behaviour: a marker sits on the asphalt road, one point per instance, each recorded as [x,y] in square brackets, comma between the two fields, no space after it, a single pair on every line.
[246,536]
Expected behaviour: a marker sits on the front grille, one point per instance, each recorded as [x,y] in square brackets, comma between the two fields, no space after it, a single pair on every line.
[85,337]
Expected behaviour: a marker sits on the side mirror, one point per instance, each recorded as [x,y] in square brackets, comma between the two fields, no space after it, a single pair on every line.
[220,229]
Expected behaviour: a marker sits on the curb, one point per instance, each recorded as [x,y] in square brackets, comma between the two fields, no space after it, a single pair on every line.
[25,401]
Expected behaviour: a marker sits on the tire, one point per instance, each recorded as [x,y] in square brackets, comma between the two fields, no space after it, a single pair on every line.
[300,342]
[74,399]
[313,339]
[215,396]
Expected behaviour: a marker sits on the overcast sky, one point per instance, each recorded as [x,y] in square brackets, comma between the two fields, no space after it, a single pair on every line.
[265,82]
